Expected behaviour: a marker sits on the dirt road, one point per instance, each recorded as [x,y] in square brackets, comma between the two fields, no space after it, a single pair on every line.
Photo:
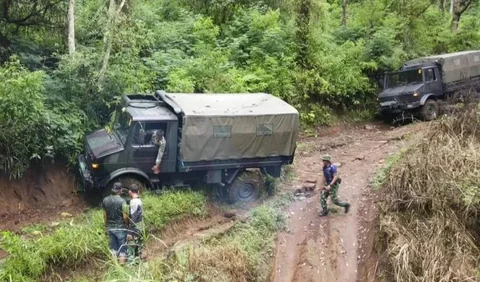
[331,248]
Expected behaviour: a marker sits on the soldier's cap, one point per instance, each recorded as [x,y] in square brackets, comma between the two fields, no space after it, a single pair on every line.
[117,187]
[327,158]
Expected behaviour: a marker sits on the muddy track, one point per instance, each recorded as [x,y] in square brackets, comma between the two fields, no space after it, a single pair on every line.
[332,248]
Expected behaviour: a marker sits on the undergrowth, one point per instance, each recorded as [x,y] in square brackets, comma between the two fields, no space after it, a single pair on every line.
[242,254]
[382,174]
[74,242]
[428,219]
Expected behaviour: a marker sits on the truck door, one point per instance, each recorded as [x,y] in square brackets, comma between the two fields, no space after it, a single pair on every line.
[433,85]
[144,153]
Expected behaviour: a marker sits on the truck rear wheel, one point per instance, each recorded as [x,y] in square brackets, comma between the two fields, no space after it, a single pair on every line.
[245,188]
[429,111]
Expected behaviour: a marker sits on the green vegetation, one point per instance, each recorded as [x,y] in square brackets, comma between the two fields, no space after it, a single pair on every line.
[241,254]
[428,219]
[382,175]
[73,243]
[325,57]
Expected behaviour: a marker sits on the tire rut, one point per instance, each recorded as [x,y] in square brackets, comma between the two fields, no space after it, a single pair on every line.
[325,249]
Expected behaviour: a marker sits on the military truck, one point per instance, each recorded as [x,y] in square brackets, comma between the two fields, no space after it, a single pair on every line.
[422,83]
[216,139]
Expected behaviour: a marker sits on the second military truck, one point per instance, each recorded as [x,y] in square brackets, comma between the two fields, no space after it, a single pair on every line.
[422,83]
[210,138]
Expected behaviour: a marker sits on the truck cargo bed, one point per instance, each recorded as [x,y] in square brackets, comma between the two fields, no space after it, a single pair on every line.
[231,128]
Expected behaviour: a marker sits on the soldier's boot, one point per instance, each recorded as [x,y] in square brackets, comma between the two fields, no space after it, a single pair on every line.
[347,207]
[324,213]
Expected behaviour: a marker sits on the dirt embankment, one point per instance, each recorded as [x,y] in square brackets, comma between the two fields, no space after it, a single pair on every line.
[39,197]
[337,247]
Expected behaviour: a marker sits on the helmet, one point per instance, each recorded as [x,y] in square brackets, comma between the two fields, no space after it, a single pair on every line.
[327,158]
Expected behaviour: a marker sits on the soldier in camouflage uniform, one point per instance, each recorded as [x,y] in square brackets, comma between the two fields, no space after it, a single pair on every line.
[332,183]
[159,140]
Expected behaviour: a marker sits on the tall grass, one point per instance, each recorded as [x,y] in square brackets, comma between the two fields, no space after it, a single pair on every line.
[72,244]
[242,254]
[432,200]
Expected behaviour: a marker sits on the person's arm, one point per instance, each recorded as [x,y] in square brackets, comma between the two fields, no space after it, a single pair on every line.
[125,217]
[161,150]
[334,179]
[105,218]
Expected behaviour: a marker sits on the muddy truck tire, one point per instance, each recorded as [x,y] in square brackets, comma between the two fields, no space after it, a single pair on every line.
[245,188]
[429,111]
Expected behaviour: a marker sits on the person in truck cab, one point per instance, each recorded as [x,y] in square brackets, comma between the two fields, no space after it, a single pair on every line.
[158,139]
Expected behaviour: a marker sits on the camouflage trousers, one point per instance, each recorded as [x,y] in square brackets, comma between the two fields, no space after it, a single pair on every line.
[334,194]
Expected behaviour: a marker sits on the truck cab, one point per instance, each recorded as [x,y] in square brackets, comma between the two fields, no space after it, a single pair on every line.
[414,89]
[125,149]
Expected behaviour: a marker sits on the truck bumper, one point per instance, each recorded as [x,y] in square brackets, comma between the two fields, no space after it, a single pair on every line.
[85,173]
[395,107]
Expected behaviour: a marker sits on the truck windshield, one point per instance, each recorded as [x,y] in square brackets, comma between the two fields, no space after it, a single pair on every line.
[404,78]
[122,125]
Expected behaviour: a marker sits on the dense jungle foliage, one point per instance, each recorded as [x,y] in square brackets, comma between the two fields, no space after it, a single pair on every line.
[325,57]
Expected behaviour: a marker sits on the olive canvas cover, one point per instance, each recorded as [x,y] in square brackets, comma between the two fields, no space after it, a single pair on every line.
[235,126]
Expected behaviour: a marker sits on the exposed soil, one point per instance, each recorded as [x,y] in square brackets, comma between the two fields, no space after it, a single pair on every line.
[337,247]
[39,197]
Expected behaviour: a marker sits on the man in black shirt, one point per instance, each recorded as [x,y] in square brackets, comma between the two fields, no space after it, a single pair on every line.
[116,221]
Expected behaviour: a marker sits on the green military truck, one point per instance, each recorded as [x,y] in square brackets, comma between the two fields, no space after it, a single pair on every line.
[422,83]
[210,138]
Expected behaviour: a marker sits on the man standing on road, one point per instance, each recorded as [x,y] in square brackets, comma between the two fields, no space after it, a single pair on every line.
[159,140]
[332,183]
[116,221]
[136,219]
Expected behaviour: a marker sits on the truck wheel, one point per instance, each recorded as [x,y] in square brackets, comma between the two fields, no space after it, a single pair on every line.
[245,188]
[126,181]
[429,111]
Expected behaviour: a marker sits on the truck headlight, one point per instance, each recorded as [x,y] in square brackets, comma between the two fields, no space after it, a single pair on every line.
[95,166]
[415,94]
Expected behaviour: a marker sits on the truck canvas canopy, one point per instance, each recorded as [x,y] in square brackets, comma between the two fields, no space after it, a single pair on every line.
[455,66]
[235,126]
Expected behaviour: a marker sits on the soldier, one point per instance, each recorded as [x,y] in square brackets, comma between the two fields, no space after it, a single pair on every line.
[159,140]
[332,182]
[116,219]
[137,226]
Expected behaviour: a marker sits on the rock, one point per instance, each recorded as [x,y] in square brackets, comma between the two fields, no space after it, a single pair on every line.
[65,214]
[311,181]
[309,187]
[242,219]
[229,214]
[369,127]
[54,224]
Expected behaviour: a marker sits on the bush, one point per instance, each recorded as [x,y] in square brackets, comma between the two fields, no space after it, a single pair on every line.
[73,243]
[428,218]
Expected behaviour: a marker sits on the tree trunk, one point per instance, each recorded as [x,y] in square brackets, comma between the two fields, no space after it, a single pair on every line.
[113,13]
[71,27]
[303,33]
[344,12]
[442,5]
[455,22]
[452,4]
[457,9]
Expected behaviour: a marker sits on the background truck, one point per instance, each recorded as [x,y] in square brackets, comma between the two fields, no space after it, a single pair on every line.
[423,82]
[211,138]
